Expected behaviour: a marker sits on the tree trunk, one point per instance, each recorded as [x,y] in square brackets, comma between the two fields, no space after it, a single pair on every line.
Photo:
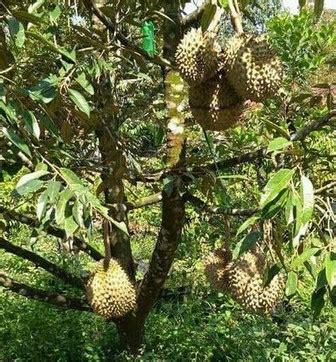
[131,331]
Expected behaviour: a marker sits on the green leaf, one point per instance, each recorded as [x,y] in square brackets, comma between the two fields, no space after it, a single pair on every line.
[291,284]
[300,227]
[271,273]
[330,267]
[36,5]
[208,15]
[79,101]
[78,213]
[53,189]
[85,84]
[41,167]
[55,13]
[273,207]
[277,128]
[71,56]
[17,141]
[70,225]
[64,197]
[307,194]
[28,17]
[29,187]
[44,90]
[224,3]
[31,123]
[278,144]
[70,177]
[275,185]
[31,176]
[306,255]
[250,221]
[289,212]
[42,204]
[247,243]
[17,32]
[317,301]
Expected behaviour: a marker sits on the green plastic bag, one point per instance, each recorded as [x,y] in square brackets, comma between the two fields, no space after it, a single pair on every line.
[148,43]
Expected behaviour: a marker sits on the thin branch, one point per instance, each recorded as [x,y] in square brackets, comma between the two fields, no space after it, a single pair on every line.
[41,262]
[59,233]
[195,16]
[235,15]
[198,171]
[325,188]
[30,292]
[91,6]
[202,206]
[313,126]
[25,160]
[145,201]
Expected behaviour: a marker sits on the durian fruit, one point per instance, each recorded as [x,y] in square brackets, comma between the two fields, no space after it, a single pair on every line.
[109,291]
[223,118]
[258,298]
[214,93]
[216,266]
[197,56]
[241,272]
[252,67]
[216,106]
[246,283]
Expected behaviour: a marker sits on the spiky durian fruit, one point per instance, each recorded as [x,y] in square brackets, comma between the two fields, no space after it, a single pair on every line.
[252,67]
[216,266]
[241,272]
[221,119]
[110,292]
[197,56]
[216,106]
[246,283]
[259,298]
[214,93]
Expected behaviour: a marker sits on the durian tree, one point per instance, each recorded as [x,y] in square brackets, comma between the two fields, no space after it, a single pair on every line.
[77,79]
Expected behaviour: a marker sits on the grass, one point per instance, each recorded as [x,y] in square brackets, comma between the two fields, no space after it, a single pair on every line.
[202,325]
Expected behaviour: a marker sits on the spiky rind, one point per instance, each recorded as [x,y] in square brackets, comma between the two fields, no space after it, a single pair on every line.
[252,67]
[260,299]
[110,292]
[197,56]
[216,266]
[214,93]
[225,118]
[241,272]
[245,283]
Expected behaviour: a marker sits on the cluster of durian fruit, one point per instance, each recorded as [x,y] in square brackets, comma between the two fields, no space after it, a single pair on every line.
[109,290]
[227,81]
[243,279]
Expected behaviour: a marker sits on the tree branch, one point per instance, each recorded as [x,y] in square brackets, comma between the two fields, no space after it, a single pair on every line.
[313,126]
[145,201]
[173,204]
[326,187]
[198,171]
[41,262]
[195,16]
[91,6]
[56,299]
[236,19]
[202,206]
[173,212]
[59,233]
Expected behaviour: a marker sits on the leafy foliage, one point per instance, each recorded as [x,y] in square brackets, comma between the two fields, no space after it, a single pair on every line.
[83,117]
